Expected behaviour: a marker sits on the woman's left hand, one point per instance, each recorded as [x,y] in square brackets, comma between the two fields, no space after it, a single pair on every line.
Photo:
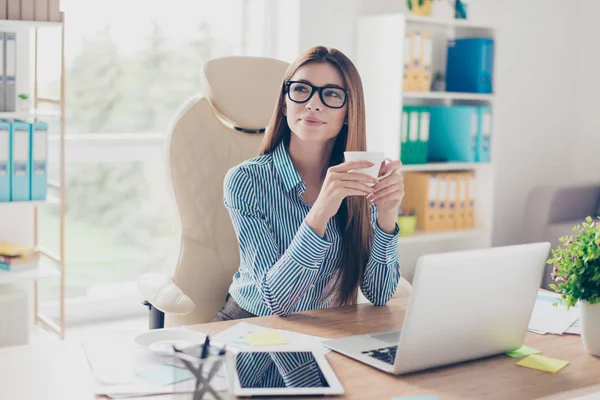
[389,192]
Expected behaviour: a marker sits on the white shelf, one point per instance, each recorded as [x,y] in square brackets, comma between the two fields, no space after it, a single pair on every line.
[424,237]
[42,272]
[458,23]
[29,114]
[448,96]
[447,166]
[16,24]
[15,115]
[30,203]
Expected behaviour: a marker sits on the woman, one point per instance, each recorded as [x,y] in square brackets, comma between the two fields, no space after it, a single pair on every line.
[310,231]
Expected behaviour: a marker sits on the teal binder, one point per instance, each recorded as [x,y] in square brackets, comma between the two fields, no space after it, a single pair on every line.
[484,134]
[415,135]
[5,164]
[453,134]
[20,149]
[39,160]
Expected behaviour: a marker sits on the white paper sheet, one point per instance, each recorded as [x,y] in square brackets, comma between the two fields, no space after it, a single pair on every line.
[114,361]
[547,318]
[575,329]
[234,337]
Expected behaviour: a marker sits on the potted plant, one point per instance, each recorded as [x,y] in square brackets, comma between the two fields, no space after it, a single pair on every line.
[24,102]
[407,221]
[438,83]
[577,275]
[420,7]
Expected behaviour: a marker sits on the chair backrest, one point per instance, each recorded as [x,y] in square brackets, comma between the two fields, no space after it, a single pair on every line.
[203,145]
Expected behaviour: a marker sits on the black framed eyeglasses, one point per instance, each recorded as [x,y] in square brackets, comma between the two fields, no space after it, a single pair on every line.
[331,96]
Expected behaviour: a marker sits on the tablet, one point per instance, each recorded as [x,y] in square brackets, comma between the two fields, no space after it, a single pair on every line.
[282,373]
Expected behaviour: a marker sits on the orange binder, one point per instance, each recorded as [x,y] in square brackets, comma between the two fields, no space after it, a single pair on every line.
[461,201]
[416,71]
[408,61]
[453,200]
[442,202]
[421,191]
[470,206]
[424,78]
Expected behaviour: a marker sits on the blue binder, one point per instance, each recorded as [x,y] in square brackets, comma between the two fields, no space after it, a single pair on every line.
[21,149]
[453,133]
[5,164]
[469,65]
[484,134]
[39,160]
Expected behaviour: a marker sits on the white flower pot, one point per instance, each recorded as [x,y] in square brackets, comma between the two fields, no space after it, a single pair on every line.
[590,327]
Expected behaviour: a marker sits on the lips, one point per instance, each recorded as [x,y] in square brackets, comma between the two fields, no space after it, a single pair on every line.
[312,121]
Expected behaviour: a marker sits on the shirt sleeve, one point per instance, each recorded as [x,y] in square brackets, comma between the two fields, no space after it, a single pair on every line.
[382,272]
[281,279]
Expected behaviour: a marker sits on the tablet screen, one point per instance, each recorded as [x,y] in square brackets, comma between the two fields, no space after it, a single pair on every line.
[279,370]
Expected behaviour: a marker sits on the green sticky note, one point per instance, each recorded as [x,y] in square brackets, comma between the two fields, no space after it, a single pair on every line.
[267,338]
[542,363]
[522,352]
[165,375]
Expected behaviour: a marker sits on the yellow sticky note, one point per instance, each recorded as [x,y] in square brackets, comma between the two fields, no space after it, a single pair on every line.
[267,338]
[542,363]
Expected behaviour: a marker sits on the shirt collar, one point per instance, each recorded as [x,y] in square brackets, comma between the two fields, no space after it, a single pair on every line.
[283,164]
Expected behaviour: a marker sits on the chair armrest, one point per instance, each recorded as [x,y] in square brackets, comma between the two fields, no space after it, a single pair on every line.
[163,294]
[551,204]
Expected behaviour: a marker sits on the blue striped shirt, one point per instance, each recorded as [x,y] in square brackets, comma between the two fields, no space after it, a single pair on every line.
[284,264]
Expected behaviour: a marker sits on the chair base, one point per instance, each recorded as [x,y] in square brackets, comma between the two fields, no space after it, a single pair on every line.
[156,318]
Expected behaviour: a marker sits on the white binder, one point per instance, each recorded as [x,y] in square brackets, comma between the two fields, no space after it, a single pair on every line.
[10,93]
[2,74]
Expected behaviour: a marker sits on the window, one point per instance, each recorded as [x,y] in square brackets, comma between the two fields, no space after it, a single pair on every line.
[129,66]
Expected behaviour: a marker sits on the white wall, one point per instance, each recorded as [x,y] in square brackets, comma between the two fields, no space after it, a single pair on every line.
[534,110]
[536,96]
[586,152]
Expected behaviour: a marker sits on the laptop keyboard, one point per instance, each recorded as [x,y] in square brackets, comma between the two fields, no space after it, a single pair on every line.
[385,354]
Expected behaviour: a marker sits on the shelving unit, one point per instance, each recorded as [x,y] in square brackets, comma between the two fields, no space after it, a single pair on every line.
[449,96]
[382,76]
[424,237]
[44,270]
[55,267]
[450,166]
[33,203]
[448,23]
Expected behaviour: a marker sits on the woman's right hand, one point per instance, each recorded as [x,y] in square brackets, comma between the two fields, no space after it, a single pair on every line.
[339,183]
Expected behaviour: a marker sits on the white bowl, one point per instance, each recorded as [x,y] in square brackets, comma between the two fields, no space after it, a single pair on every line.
[160,341]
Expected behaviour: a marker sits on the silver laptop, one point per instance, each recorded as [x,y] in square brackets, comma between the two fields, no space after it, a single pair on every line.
[464,305]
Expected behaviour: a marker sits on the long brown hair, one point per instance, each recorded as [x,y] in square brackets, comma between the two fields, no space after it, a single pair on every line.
[354,216]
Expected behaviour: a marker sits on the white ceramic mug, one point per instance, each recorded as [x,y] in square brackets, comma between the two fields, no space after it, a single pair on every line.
[376,157]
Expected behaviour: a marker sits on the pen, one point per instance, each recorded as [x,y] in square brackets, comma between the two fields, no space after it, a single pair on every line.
[205,348]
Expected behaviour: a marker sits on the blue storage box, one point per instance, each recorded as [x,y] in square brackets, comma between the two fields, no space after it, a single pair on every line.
[469,65]
[453,133]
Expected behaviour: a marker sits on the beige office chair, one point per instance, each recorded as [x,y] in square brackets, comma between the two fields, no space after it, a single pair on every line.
[209,135]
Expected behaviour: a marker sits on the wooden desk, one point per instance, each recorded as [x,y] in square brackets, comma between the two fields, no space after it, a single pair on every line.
[492,378]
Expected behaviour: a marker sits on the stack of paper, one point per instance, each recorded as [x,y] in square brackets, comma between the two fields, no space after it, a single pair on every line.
[122,369]
[547,318]
[246,336]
